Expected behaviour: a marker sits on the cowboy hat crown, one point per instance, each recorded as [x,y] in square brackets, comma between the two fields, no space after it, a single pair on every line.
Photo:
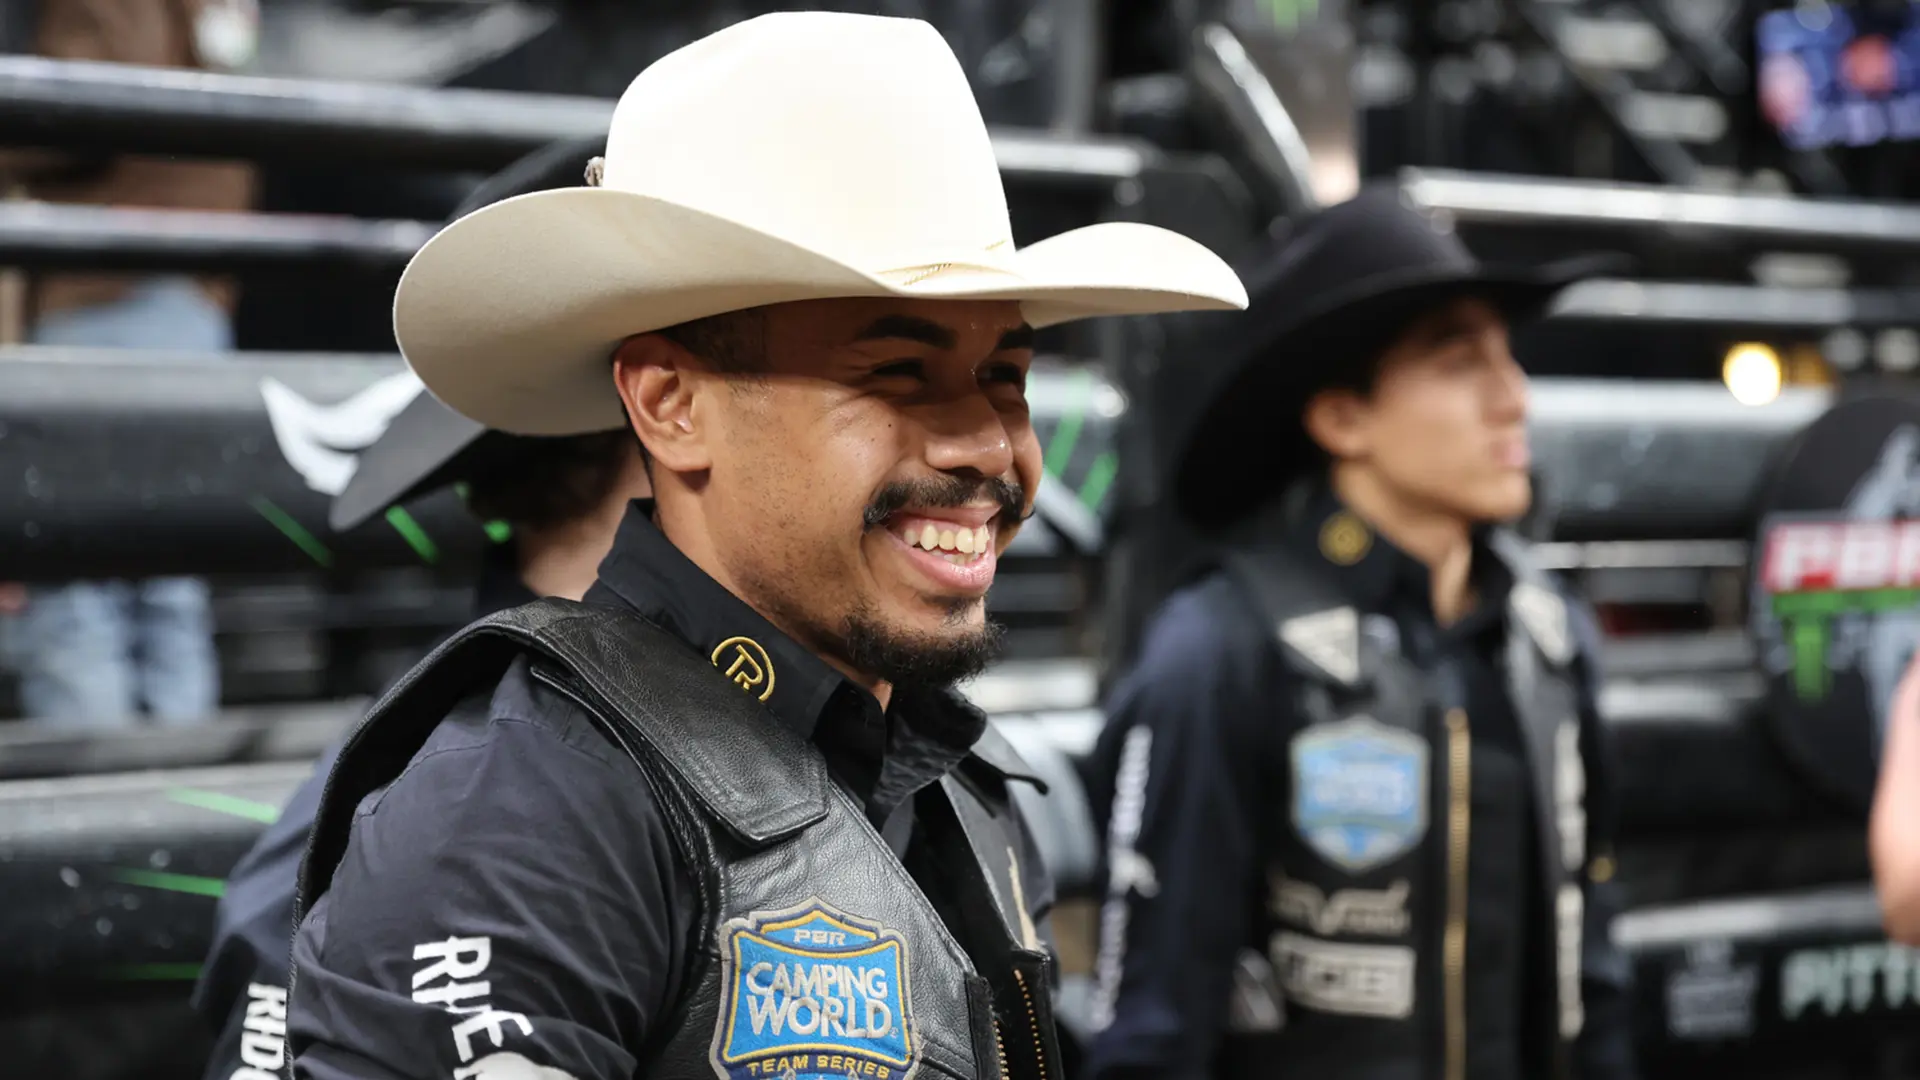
[794,156]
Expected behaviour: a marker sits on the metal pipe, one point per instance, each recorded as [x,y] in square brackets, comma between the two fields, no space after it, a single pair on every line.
[1079,55]
[1776,221]
[117,108]
[49,236]
[1712,304]
[1226,74]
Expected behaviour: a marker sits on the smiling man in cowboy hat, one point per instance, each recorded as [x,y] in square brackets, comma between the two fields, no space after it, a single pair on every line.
[1355,821]
[727,816]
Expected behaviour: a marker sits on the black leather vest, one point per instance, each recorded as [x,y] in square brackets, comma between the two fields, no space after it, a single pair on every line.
[819,956]
[1365,922]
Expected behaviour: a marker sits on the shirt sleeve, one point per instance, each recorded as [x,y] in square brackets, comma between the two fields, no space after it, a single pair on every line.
[1604,1050]
[1180,771]
[511,905]
[253,926]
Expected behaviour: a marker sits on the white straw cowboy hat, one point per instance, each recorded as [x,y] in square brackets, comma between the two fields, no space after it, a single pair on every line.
[794,156]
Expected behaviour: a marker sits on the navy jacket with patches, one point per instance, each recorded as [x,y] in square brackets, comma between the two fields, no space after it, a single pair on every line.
[520,824]
[1205,930]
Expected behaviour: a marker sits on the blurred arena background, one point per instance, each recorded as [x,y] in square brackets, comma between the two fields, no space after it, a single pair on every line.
[1777,250]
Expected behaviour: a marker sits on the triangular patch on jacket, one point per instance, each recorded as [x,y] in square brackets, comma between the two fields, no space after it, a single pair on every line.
[1329,639]
[1544,614]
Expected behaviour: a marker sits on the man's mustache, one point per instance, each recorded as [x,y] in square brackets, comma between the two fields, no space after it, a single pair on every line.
[935,492]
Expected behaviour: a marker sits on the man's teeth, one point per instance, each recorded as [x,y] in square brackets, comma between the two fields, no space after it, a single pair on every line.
[960,545]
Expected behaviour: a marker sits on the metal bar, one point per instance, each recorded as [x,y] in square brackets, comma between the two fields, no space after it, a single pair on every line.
[1079,36]
[116,108]
[1225,72]
[1515,202]
[48,236]
[1712,304]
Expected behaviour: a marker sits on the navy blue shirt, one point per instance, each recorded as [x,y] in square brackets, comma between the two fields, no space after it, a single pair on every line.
[1208,796]
[520,872]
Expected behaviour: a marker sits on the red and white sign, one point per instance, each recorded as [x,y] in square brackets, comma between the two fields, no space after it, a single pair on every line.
[1832,556]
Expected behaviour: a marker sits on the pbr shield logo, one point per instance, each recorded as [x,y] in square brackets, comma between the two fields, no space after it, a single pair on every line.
[812,992]
[1836,588]
[1359,792]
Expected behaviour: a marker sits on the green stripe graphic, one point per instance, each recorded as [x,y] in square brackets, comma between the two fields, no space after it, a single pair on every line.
[293,530]
[231,805]
[413,534]
[180,883]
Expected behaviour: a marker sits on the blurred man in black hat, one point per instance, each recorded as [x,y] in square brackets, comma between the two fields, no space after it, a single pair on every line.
[562,500]
[1356,818]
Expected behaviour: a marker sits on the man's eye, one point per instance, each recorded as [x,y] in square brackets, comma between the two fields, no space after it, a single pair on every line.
[1012,374]
[901,369]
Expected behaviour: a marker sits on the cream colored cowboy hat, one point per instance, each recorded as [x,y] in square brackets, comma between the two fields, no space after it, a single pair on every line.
[794,156]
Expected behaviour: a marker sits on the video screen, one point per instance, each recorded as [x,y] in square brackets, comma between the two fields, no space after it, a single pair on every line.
[1840,75]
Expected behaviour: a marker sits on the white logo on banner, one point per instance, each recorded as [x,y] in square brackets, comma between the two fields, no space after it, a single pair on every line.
[321,441]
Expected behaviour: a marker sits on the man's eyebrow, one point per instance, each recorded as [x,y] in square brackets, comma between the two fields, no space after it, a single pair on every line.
[1020,337]
[909,328]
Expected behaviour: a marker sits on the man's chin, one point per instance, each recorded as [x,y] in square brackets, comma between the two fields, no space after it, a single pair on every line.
[946,651]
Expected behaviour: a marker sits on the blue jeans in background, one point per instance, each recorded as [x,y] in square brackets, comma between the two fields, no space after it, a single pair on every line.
[97,653]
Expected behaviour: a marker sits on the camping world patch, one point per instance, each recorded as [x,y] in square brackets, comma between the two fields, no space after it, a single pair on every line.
[812,992]
[1359,791]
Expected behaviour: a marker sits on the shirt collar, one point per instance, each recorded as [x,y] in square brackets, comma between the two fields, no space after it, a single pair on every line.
[645,572]
[1380,577]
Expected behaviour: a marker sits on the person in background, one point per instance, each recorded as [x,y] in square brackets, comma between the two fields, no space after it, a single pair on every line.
[562,498]
[1894,829]
[1357,823]
[102,652]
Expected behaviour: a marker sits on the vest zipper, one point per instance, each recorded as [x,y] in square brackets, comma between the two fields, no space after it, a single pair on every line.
[1454,946]
[1000,1043]
[1033,1025]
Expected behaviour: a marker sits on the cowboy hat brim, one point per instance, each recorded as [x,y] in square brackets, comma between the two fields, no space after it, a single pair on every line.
[1222,470]
[423,445]
[511,314]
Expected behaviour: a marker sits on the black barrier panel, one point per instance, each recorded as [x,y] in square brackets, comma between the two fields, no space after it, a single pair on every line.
[126,465]
[1794,984]
[111,881]
[1622,459]
[139,464]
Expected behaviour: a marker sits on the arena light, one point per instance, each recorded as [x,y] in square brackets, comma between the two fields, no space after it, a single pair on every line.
[1752,373]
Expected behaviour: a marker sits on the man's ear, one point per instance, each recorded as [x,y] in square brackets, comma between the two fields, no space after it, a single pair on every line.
[656,379]
[1336,419]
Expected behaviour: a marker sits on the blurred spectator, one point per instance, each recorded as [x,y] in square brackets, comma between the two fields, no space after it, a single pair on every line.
[1894,832]
[100,652]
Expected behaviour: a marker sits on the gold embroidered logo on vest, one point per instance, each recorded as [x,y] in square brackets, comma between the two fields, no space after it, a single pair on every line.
[1345,539]
[747,664]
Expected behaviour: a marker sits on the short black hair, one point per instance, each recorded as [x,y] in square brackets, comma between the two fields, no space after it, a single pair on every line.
[538,482]
[732,342]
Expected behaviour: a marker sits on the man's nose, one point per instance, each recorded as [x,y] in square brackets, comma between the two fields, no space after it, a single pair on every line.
[1510,385]
[968,434]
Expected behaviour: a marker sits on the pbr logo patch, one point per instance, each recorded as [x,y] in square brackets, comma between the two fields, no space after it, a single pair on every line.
[812,992]
[1359,791]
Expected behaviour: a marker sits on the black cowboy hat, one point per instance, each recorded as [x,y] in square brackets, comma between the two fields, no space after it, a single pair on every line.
[428,445]
[1343,284]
